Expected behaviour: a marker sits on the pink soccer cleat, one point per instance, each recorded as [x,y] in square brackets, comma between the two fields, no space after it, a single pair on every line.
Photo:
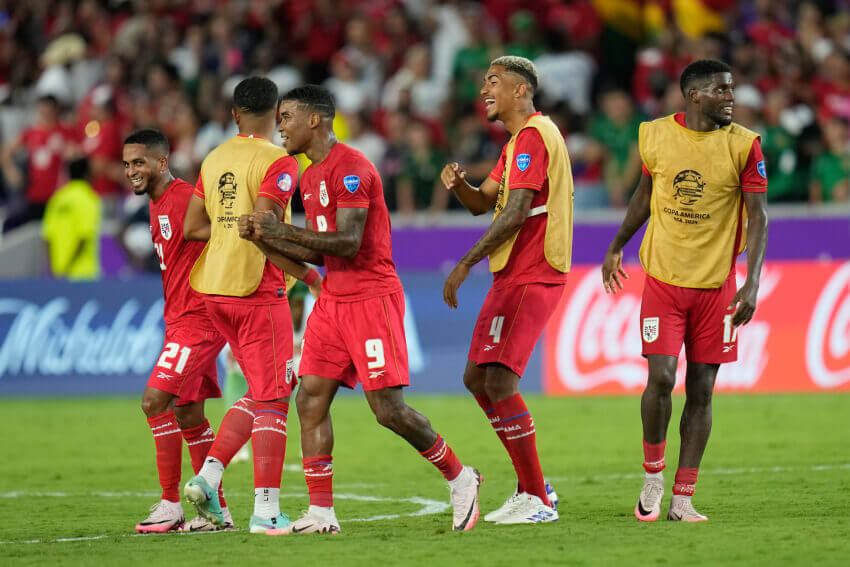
[164,517]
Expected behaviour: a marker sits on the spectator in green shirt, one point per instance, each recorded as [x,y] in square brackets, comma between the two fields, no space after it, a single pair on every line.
[781,151]
[419,185]
[71,227]
[830,179]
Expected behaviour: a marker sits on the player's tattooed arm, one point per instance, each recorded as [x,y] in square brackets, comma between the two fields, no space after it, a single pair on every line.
[745,298]
[196,223]
[251,227]
[636,215]
[504,226]
[344,242]
[477,200]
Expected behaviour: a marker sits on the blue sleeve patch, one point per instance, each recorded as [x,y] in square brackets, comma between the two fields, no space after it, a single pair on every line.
[523,161]
[284,182]
[761,169]
[351,182]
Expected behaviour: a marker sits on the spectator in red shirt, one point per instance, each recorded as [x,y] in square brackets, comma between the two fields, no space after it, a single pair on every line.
[102,144]
[46,144]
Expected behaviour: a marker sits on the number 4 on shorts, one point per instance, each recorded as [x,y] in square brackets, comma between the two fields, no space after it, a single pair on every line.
[496,328]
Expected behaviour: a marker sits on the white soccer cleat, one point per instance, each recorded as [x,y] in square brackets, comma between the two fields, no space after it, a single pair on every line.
[201,524]
[464,499]
[648,506]
[316,520]
[498,513]
[528,509]
[164,517]
[681,510]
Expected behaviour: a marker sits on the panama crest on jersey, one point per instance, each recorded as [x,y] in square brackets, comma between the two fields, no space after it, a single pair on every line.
[323,194]
[650,329]
[165,227]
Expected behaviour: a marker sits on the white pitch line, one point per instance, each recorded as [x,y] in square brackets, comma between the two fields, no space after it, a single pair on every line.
[721,471]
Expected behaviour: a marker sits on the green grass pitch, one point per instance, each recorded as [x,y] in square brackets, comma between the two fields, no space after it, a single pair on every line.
[775,483]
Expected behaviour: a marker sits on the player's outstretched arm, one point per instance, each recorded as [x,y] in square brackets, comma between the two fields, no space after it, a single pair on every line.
[196,224]
[636,215]
[477,200]
[745,298]
[504,226]
[344,242]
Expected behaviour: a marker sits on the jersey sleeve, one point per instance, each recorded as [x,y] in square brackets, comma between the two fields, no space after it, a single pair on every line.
[354,185]
[530,161]
[199,187]
[499,171]
[645,170]
[754,175]
[281,178]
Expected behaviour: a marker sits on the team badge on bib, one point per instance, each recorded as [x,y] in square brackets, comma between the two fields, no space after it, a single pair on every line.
[323,194]
[284,182]
[165,227]
[523,161]
[650,329]
[351,182]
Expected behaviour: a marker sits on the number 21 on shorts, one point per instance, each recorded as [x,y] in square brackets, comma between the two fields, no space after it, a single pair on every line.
[171,351]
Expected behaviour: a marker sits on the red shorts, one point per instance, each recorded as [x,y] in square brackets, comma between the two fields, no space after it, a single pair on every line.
[260,336]
[700,318]
[510,322]
[187,365]
[357,341]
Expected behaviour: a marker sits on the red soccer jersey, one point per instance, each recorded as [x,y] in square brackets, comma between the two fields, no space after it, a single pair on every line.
[277,185]
[527,263]
[347,179]
[45,147]
[183,305]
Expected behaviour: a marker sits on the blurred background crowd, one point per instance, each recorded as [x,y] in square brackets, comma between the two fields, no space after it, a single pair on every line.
[76,76]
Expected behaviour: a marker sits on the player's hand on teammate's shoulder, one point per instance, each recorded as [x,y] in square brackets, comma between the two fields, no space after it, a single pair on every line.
[456,277]
[744,303]
[612,269]
[453,175]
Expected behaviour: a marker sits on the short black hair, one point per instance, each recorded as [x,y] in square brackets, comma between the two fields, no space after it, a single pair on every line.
[149,138]
[316,98]
[49,99]
[78,168]
[701,69]
[255,95]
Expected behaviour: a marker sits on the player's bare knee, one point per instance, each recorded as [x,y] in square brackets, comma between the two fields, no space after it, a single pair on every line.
[153,406]
[662,381]
[473,379]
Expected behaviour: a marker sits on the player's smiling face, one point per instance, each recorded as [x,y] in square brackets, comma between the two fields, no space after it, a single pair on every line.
[294,126]
[140,167]
[497,92]
[717,98]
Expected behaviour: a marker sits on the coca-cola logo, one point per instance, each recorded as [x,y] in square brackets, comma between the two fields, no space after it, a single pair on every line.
[598,340]
[51,340]
[828,337]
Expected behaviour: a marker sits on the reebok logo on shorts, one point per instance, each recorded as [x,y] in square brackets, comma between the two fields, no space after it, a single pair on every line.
[650,329]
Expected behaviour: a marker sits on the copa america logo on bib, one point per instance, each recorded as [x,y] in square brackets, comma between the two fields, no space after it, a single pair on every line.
[284,182]
[323,194]
[523,161]
[351,182]
[650,329]
[165,227]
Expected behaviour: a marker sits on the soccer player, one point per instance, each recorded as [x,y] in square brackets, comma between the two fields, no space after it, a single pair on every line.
[245,295]
[355,332]
[702,174]
[529,245]
[185,372]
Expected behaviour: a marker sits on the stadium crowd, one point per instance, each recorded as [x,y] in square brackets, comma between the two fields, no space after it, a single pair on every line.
[76,76]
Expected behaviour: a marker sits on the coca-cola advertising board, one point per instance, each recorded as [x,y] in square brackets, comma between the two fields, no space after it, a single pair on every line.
[798,340]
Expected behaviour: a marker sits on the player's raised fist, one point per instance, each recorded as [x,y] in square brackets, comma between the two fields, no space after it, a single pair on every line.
[452,175]
[245,225]
[265,224]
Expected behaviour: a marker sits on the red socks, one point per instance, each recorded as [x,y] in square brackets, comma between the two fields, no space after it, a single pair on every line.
[199,440]
[442,457]
[319,474]
[496,423]
[686,480]
[169,453]
[518,428]
[234,432]
[653,456]
[268,439]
